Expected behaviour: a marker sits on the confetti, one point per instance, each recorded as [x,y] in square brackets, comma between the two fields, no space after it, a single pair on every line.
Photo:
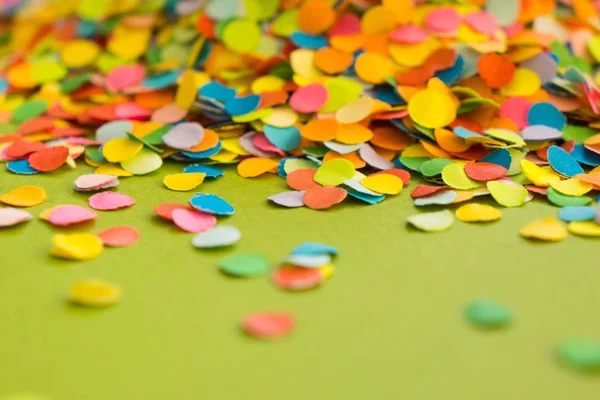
[313,248]
[334,172]
[584,228]
[94,293]
[322,198]
[487,314]
[475,212]
[383,183]
[184,182]
[13,216]
[119,236]
[165,210]
[507,194]
[577,213]
[25,196]
[291,199]
[297,278]
[108,201]
[244,265]
[70,214]
[547,229]
[219,236]
[76,246]
[308,260]
[211,204]
[432,222]
[193,221]
[49,159]
[580,354]
[268,325]
[91,182]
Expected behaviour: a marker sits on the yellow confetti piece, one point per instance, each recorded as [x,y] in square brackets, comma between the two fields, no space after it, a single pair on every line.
[334,172]
[454,175]
[255,166]
[281,117]
[506,136]
[475,212]
[121,149]
[383,183]
[45,215]
[432,109]
[584,228]
[356,111]
[79,53]
[507,194]
[186,92]
[547,229]
[524,83]
[94,293]
[112,169]
[267,83]
[572,187]
[76,246]
[184,182]
[24,196]
[538,176]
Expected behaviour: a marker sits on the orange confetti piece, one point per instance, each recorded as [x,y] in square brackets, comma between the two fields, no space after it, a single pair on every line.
[49,159]
[25,196]
[333,61]
[353,133]
[255,166]
[324,197]
[496,70]
[302,179]
[315,16]
[320,130]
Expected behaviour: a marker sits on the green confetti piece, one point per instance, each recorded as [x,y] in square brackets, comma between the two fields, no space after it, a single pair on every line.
[434,166]
[244,265]
[29,110]
[581,354]
[487,314]
[562,200]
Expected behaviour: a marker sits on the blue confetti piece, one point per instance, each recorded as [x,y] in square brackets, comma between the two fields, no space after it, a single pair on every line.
[307,41]
[161,81]
[577,213]
[546,114]
[563,163]
[388,95]
[499,157]
[3,85]
[197,155]
[286,139]
[585,156]
[20,167]
[453,74]
[212,204]
[314,249]
[242,105]
[367,198]
[211,172]
[464,133]
[216,91]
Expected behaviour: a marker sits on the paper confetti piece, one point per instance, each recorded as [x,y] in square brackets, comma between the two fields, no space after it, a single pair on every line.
[165,210]
[507,194]
[547,229]
[219,236]
[432,222]
[13,216]
[268,325]
[321,198]
[119,236]
[313,248]
[76,246]
[184,182]
[193,221]
[292,199]
[94,293]
[244,265]
[297,278]
[580,354]
[475,212]
[109,201]
[90,182]
[255,166]
[211,204]
[584,228]
[487,314]
[334,172]
[24,196]
[49,159]
[308,260]
[383,183]
[70,214]
[562,162]
[577,213]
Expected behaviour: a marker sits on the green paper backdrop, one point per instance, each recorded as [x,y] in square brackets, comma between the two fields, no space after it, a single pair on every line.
[388,325]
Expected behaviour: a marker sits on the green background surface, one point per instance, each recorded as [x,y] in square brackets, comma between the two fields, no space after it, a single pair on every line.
[388,325]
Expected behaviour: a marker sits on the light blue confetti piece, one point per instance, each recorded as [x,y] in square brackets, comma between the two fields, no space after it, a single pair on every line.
[211,172]
[499,157]
[223,9]
[308,260]
[443,197]
[20,167]
[312,248]
[577,213]
[307,41]
[3,85]
[464,133]
[212,204]
[546,114]
[585,156]
[286,139]
[198,155]
[216,91]
[161,81]
[562,162]
[367,198]
[453,74]
[242,105]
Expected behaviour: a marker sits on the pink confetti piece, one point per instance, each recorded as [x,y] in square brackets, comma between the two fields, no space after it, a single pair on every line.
[70,214]
[10,216]
[193,221]
[108,201]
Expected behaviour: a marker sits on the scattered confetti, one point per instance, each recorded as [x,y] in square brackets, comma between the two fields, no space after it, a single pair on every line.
[475,212]
[244,265]
[91,182]
[94,293]
[219,236]
[108,201]
[119,236]
[487,314]
[547,229]
[184,182]
[580,354]
[76,246]
[268,325]
[432,222]
[212,204]
[13,216]
[25,196]
[70,214]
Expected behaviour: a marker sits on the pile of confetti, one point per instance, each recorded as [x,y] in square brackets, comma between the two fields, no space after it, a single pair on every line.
[472,98]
